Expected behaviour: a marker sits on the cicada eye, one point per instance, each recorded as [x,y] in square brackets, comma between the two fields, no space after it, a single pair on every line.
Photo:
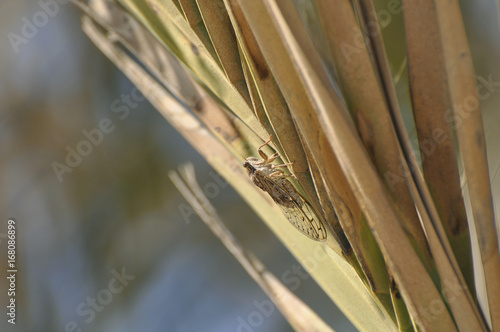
[248,166]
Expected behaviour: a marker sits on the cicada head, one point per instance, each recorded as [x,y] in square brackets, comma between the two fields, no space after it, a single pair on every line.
[249,165]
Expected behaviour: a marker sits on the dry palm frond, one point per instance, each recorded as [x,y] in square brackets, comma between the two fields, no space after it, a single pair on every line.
[397,234]
[300,316]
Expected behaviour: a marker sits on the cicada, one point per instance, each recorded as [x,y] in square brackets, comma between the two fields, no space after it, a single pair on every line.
[271,179]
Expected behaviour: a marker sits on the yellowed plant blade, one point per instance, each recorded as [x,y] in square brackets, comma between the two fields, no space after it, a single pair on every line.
[452,284]
[257,104]
[166,22]
[272,108]
[339,192]
[222,35]
[432,112]
[370,112]
[193,17]
[171,74]
[248,129]
[330,215]
[470,133]
[404,320]
[347,289]
[269,26]
[296,312]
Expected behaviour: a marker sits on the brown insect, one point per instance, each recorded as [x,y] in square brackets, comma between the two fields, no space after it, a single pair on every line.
[269,178]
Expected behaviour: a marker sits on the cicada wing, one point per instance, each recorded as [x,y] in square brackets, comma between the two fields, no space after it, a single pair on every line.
[304,219]
[295,208]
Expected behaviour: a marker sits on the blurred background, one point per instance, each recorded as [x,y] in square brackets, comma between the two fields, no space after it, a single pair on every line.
[104,240]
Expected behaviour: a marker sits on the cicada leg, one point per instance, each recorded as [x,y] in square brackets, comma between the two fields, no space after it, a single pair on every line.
[282,165]
[279,174]
[265,158]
